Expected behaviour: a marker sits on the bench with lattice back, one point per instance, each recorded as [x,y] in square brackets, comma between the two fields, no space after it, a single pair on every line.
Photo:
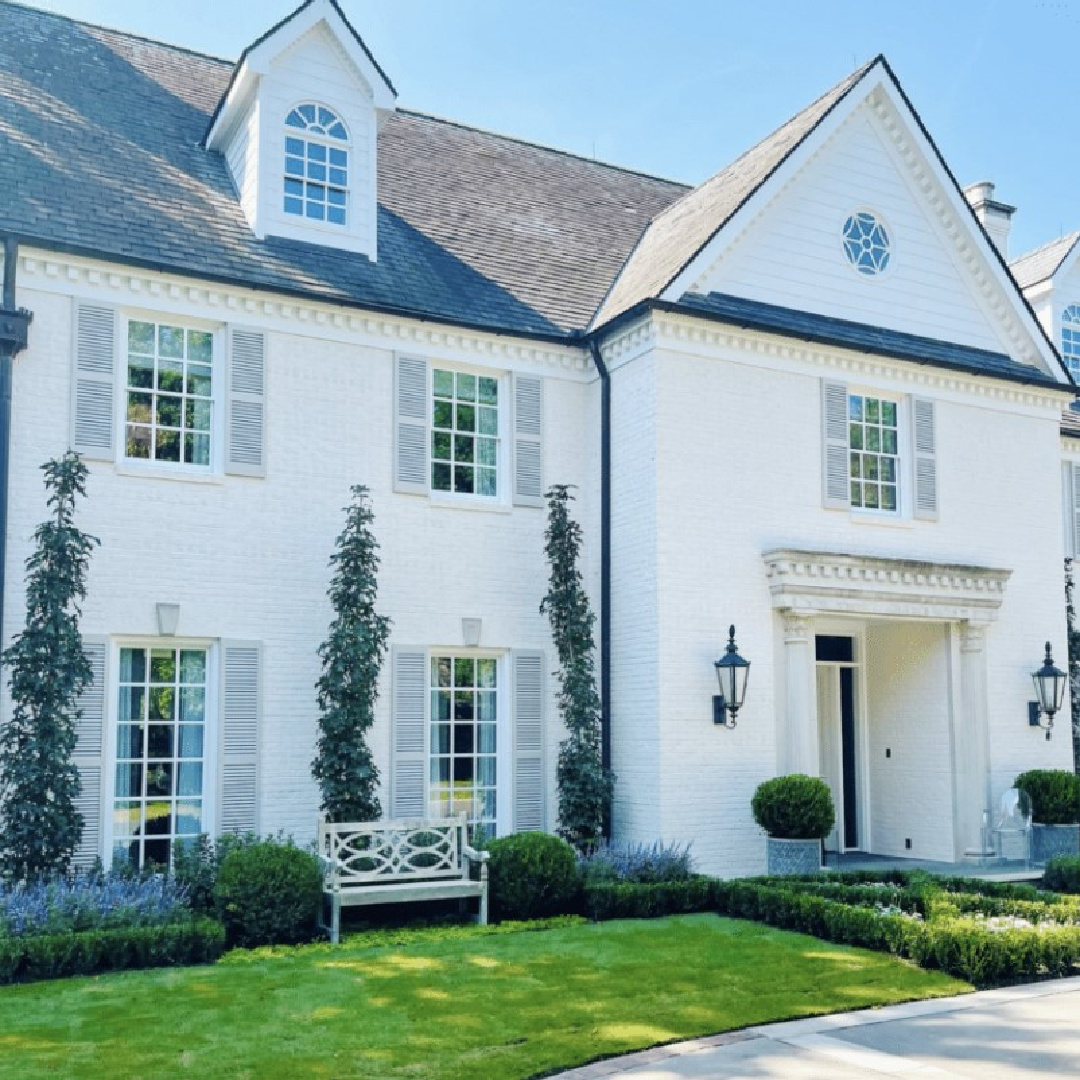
[384,862]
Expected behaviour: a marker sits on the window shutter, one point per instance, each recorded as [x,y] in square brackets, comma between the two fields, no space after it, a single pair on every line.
[528,441]
[238,782]
[925,443]
[411,465]
[836,487]
[528,741]
[89,755]
[245,434]
[94,381]
[1074,507]
[408,748]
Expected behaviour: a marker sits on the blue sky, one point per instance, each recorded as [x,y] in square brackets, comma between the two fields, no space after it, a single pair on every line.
[681,89]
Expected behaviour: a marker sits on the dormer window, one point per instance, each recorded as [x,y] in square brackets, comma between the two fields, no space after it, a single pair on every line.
[1070,339]
[316,164]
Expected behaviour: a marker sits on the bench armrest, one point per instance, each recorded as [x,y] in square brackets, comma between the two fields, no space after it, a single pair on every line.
[473,855]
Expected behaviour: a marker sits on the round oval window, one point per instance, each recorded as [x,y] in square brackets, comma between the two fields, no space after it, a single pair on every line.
[866,243]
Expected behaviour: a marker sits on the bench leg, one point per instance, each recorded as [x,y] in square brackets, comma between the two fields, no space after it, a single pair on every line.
[335,920]
[483,914]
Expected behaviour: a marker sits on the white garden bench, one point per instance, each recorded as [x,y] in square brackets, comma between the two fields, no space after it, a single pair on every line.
[384,862]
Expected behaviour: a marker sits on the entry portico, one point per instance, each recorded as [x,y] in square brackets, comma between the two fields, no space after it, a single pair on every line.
[915,626]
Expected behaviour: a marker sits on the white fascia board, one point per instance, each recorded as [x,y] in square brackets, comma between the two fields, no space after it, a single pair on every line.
[239,97]
[1066,264]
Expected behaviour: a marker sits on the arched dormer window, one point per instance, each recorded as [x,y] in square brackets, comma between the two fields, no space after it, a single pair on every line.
[1070,339]
[316,164]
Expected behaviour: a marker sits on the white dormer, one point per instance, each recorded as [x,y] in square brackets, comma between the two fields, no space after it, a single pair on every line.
[298,127]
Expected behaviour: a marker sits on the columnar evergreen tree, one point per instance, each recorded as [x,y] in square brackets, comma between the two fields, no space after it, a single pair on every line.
[1074,659]
[351,657]
[40,826]
[585,787]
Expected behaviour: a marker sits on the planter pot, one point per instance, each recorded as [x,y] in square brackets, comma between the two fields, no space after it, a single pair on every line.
[1050,840]
[794,856]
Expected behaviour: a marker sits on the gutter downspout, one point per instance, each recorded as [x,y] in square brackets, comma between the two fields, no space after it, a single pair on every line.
[605,565]
[14,327]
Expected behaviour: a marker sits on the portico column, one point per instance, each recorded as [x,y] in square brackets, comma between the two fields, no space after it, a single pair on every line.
[972,758]
[798,749]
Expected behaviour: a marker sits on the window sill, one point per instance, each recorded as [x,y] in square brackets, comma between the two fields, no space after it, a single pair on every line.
[157,472]
[465,502]
[889,522]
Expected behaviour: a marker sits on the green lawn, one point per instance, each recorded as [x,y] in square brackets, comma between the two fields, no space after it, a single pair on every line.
[468,1004]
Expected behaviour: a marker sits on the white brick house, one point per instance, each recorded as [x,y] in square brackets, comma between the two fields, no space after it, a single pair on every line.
[806,397]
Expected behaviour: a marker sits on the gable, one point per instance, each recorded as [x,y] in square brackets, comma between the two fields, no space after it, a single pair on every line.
[792,251]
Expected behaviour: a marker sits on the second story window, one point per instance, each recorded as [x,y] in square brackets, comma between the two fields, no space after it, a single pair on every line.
[465,433]
[1070,339]
[874,448]
[316,164]
[169,393]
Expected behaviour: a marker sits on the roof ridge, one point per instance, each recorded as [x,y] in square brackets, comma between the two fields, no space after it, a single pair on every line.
[1071,237]
[521,141]
[115,30]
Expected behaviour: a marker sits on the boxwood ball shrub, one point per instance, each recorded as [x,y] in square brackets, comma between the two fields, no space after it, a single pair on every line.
[1063,874]
[1055,795]
[795,807]
[269,893]
[532,875]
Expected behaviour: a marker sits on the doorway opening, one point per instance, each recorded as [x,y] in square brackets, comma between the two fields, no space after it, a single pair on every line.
[839,737]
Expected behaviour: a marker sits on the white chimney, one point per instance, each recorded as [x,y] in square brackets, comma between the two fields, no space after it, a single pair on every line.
[996,217]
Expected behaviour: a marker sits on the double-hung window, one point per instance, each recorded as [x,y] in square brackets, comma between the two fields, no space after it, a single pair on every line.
[160,747]
[169,393]
[464,433]
[874,445]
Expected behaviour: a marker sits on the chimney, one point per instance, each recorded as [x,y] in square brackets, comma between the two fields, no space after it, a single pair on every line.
[996,217]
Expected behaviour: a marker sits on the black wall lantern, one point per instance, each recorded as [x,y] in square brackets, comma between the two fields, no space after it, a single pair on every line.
[732,672]
[1050,683]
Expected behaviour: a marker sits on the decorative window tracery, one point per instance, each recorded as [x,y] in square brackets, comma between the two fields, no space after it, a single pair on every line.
[866,243]
[316,164]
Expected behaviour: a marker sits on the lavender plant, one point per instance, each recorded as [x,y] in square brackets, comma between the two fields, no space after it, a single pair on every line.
[638,862]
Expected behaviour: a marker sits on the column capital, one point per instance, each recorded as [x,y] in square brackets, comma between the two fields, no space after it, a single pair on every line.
[796,627]
[972,636]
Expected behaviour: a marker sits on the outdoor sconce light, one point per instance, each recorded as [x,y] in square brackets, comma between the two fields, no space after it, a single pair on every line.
[1050,683]
[732,672]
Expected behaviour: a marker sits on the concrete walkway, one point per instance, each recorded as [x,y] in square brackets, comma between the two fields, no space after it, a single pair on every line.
[1019,1033]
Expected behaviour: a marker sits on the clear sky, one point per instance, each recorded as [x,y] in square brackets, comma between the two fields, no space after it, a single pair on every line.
[680,89]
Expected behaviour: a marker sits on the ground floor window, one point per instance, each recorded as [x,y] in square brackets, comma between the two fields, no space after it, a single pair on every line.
[464,703]
[160,753]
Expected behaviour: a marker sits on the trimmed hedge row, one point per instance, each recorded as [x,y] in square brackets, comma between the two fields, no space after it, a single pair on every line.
[649,899]
[87,952]
[959,947]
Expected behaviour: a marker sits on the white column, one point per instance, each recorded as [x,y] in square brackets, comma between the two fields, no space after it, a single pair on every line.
[972,757]
[797,751]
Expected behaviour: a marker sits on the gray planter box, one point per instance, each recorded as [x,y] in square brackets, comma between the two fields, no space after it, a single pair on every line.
[794,856]
[1050,840]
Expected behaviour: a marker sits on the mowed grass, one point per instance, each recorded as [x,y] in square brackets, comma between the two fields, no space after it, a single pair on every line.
[466,1005]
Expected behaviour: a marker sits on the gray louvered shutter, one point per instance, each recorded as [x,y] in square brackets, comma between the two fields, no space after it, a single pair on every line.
[93,381]
[1074,507]
[245,421]
[411,425]
[89,755]
[528,741]
[925,443]
[238,780]
[528,441]
[408,744]
[836,489]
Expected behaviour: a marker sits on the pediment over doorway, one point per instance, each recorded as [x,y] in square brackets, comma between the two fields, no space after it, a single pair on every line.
[823,582]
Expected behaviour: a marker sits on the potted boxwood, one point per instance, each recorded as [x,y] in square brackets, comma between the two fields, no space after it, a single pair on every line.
[1055,812]
[797,812]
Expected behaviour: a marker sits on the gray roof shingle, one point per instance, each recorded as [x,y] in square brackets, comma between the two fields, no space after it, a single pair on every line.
[1043,262]
[684,228]
[101,131]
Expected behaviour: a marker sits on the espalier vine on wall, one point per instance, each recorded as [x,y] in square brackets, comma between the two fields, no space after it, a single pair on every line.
[351,657]
[585,787]
[40,825]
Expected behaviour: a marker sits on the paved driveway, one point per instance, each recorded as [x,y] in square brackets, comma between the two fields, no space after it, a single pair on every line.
[1020,1033]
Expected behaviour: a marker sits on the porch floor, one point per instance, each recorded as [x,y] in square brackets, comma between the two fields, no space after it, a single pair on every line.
[991,870]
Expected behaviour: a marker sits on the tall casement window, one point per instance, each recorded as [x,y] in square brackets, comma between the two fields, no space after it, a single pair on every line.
[1070,339]
[169,393]
[465,433]
[463,739]
[873,438]
[160,753]
[316,164]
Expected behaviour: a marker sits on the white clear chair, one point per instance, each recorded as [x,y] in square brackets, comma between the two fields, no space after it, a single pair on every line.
[1013,823]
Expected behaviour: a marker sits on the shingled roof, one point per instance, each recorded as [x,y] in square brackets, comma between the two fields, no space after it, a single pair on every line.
[685,227]
[101,151]
[1043,262]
